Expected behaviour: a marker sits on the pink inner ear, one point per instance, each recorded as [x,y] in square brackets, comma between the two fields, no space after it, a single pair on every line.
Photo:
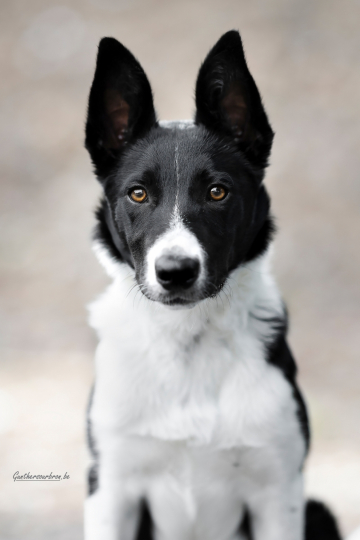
[235,108]
[117,111]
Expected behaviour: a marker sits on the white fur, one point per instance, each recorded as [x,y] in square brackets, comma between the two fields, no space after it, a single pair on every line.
[110,264]
[355,535]
[187,412]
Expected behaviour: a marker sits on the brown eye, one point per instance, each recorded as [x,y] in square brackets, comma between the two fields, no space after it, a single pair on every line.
[217,193]
[138,195]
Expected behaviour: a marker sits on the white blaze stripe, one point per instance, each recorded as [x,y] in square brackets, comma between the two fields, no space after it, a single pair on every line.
[176,218]
[177,240]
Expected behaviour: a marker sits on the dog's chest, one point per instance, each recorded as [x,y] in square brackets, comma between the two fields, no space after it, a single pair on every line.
[178,376]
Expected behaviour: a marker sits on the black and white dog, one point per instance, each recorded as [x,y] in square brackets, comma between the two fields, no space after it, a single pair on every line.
[196,423]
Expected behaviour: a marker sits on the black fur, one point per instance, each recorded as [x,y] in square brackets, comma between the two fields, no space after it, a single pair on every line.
[102,232]
[320,523]
[245,527]
[228,101]
[93,470]
[146,528]
[279,355]
[93,479]
[120,105]
[126,229]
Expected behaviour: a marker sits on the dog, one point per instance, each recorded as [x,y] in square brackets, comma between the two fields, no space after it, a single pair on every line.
[196,424]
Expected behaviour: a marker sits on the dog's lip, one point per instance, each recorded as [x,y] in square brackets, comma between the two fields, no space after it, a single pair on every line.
[174,300]
[187,299]
[178,301]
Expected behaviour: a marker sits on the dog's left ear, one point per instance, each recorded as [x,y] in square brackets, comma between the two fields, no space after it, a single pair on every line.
[120,105]
[228,101]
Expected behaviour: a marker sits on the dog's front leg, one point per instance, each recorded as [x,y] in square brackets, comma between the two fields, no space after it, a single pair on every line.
[277,511]
[111,513]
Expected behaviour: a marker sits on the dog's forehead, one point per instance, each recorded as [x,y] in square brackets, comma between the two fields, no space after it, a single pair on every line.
[177,152]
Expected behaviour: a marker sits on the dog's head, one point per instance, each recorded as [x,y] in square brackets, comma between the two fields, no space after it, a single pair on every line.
[184,204]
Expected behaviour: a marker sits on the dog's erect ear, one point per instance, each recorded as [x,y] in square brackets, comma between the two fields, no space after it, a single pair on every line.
[121,105]
[228,101]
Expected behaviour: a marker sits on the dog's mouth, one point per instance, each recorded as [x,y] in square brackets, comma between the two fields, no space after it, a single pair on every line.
[177,301]
[181,302]
[174,300]
[186,299]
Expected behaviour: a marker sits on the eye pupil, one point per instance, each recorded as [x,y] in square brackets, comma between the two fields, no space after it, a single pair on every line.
[138,195]
[217,193]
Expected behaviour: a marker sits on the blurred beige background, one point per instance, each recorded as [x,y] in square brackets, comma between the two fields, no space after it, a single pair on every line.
[304,55]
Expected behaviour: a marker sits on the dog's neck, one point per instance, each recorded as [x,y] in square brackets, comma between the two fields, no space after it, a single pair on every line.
[250,291]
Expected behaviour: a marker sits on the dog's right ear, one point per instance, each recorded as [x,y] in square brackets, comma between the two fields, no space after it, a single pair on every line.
[121,107]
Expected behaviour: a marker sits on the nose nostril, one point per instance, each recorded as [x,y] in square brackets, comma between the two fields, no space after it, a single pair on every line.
[176,272]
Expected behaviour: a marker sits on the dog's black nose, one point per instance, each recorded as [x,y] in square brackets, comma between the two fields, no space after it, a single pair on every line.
[174,272]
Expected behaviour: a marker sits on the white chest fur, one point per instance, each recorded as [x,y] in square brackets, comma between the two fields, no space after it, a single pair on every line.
[185,400]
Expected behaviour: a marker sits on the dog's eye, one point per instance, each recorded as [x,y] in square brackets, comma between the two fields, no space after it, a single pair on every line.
[217,193]
[138,195]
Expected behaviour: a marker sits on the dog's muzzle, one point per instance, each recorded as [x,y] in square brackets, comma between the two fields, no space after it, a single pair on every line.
[176,273]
